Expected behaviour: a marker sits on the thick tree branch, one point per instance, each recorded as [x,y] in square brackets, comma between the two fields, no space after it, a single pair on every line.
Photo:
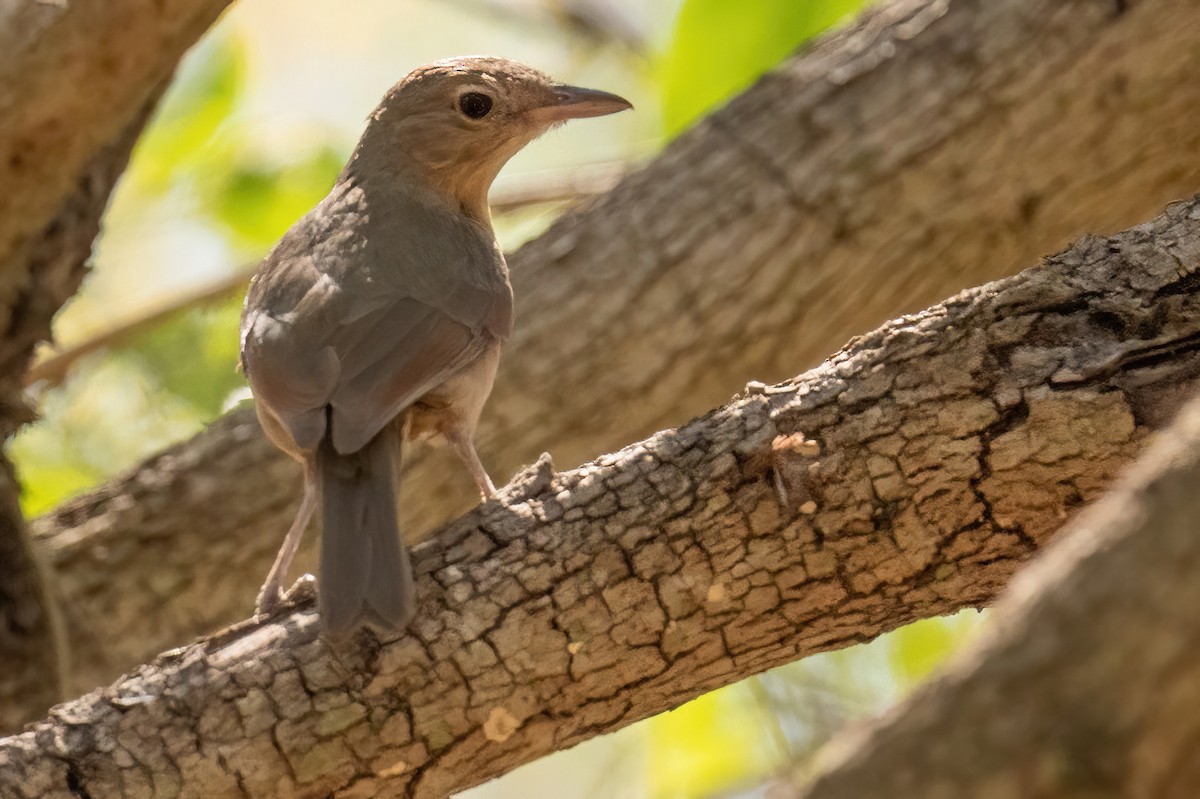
[922,464]
[931,147]
[1087,685]
[72,76]
[33,642]
[77,83]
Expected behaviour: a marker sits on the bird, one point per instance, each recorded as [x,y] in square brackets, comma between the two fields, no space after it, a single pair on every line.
[380,315]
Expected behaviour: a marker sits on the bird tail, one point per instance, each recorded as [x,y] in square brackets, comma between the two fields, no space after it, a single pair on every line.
[365,575]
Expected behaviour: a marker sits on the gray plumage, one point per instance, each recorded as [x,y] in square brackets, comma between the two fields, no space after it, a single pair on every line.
[379,317]
[348,323]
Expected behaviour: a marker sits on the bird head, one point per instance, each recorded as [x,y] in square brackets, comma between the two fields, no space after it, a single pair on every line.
[454,123]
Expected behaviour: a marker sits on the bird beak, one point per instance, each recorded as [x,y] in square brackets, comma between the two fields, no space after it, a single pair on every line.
[574,102]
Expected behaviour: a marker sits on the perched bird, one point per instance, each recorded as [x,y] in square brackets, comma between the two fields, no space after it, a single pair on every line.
[380,315]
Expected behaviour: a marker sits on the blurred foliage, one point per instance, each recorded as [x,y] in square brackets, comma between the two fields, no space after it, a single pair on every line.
[194,138]
[258,201]
[734,737]
[719,48]
[178,141]
[919,648]
[716,741]
[47,481]
[92,421]
[193,356]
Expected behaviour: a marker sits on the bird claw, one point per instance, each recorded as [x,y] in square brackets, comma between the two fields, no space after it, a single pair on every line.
[305,587]
[270,599]
[533,480]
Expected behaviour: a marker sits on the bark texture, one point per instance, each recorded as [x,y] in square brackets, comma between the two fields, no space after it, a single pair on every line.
[1089,683]
[72,76]
[930,147]
[921,465]
[77,83]
[32,638]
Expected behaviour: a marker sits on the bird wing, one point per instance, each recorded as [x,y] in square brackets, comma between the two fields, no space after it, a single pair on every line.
[388,360]
[348,324]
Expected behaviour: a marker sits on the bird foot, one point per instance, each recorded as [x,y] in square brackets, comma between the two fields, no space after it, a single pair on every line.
[304,588]
[271,598]
[533,480]
[268,600]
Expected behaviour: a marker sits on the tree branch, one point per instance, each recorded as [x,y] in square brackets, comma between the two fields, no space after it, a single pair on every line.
[72,76]
[1087,685]
[840,190]
[34,643]
[77,83]
[922,464]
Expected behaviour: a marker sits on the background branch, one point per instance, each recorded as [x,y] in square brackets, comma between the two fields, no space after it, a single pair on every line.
[922,464]
[72,77]
[33,645]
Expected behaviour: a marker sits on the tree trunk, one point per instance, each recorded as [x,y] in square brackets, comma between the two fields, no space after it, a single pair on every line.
[77,83]
[904,478]
[929,147]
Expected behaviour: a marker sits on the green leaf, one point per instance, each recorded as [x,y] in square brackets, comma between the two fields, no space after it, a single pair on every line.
[918,648]
[720,47]
[257,202]
[711,744]
[201,99]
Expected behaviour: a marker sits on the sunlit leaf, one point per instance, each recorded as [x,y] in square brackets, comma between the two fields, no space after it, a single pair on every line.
[719,47]
[710,744]
[920,647]
[206,91]
[257,202]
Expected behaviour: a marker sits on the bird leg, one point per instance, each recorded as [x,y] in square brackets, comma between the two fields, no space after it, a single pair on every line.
[271,592]
[465,448]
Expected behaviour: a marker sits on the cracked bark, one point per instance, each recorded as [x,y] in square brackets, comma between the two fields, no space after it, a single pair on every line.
[923,463]
[1087,685]
[77,82]
[931,147]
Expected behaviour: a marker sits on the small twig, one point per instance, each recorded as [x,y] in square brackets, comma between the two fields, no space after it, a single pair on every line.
[564,184]
[52,370]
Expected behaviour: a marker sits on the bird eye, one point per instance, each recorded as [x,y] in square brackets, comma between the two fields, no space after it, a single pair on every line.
[475,105]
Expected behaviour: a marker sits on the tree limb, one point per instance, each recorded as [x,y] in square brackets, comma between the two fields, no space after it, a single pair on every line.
[77,83]
[922,463]
[1088,683]
[33,644]
[74,94]
[72,76]
[926,148]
